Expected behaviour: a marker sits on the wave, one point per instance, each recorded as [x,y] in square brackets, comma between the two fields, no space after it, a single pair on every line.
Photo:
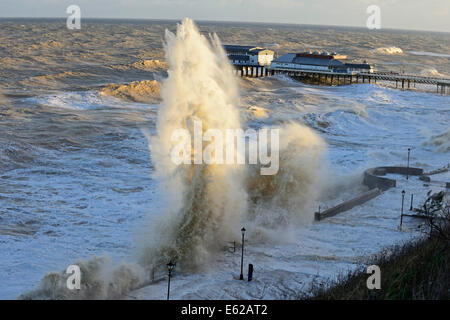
[147,91]
[389,50]
[431,72]
[146,65]
[430,54]
[16,154]
[151,65]
[257,112]
[82,100]
[207,201]
[440,141]
[208,204]
[100,279]
[51,79]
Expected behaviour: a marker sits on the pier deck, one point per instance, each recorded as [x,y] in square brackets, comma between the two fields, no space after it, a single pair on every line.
[330,77]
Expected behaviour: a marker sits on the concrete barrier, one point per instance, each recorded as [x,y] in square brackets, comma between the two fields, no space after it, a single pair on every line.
[373,179]
[437,171]
[347,205]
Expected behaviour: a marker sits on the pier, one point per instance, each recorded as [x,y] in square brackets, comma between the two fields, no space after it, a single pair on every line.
[321,67]
[403,81]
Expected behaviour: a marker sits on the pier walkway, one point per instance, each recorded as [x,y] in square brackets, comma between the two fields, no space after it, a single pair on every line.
[329,77]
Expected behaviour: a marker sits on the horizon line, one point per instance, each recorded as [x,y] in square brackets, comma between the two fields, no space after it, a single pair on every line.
[232,21]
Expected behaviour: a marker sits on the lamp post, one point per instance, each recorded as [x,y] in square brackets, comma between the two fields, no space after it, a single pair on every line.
[242,254]
[401,215]
[407,167]
[170,267]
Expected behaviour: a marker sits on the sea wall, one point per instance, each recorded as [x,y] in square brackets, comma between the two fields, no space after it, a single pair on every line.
[373,179]
[347,205]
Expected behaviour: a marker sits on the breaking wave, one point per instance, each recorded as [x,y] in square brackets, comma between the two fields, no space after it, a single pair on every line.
[151,65]
[431,72]
[389,50]
[137,91]
[100,280]
[207,201]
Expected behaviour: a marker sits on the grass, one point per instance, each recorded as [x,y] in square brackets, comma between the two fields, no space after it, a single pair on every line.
[416,270]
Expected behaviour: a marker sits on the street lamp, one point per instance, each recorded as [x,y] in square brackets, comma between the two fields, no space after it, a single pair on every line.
[401,215]
[242,255]
[407,167]
[170,267]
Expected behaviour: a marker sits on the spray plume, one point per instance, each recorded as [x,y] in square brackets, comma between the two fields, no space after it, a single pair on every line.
[208,201]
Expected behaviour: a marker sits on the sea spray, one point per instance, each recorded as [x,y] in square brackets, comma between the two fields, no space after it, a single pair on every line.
[207,202]
[100,279]
[284,201]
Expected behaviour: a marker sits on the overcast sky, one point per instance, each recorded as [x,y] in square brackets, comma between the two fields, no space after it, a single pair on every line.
[399,14]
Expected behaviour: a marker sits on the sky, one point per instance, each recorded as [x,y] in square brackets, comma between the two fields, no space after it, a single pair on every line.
[427,15]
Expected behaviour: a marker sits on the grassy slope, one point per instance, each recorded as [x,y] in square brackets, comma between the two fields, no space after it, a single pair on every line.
[419,270]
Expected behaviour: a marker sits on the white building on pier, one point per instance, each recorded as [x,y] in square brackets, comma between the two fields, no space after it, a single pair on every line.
[318,61]
[249,55]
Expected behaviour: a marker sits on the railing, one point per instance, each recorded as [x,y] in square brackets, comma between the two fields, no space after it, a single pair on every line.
[374,75]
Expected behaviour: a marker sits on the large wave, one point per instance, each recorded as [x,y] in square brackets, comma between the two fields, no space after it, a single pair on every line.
[389,50]
[210,203]
[208,200]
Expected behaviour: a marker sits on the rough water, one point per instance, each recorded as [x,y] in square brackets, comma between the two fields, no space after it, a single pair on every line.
[78,178]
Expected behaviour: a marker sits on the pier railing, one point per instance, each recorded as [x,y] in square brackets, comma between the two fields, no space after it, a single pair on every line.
[333,77]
